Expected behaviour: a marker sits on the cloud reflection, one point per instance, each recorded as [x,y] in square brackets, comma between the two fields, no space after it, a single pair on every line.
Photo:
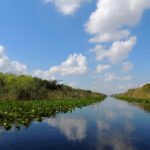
[109,138]
[113,132]
[73,129]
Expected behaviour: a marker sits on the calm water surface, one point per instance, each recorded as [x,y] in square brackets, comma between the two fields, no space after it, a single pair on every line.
[109,125]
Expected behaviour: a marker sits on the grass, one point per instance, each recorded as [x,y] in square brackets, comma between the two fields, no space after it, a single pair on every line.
[132,99]
[24,112]
[34,98]
[140,95]
[141,103]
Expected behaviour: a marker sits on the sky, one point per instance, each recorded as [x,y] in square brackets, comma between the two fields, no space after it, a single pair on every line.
[101,45]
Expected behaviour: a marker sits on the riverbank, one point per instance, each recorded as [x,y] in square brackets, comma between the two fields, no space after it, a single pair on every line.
[24,112]
[132,99]
[141,94]
[23,87]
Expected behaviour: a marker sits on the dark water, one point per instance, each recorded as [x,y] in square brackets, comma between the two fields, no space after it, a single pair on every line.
[109,125]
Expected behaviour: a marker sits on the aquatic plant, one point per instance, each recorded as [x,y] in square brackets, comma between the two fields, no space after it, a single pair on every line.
[24,112]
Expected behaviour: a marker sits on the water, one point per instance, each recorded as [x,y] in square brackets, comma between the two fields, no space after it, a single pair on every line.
[109,125]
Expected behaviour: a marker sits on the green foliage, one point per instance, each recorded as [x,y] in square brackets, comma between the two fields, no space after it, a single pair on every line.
[13,87]
[141,94]
[24,99]
[24,112]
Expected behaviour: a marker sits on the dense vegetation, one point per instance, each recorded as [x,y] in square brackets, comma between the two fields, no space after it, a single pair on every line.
[23,113]
[24,99]
[141,94]
[23,87]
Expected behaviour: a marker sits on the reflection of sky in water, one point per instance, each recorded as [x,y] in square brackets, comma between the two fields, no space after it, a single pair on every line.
[109,125]
[110,135]
[73,129]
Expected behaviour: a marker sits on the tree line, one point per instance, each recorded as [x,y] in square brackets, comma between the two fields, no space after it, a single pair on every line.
[23,87]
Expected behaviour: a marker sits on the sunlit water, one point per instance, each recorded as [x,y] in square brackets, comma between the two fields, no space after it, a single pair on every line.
[109,125]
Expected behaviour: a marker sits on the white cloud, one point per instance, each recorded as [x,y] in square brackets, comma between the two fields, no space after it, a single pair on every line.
[101,68]
[18,68]
[9,66]
[110,36]
[111,22]
[112,15]
[67,7]
[43,74]
[113,76]
[74,65]
[127,66]
[117,53]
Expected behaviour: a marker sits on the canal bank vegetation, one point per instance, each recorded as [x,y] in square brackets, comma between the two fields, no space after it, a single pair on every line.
[13,87]
[141,94]
[22,113]
[24,99]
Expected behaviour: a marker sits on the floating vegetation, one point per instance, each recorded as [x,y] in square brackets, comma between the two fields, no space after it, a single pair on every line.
[24,112]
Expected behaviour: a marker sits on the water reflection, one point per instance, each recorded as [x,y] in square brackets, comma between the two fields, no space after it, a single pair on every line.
[144,106]
[112,135]
[114,140]
[115,125]
[118,125]
[109,125]
[73,129]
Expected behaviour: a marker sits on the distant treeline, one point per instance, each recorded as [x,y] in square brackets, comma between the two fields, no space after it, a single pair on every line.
[13,87]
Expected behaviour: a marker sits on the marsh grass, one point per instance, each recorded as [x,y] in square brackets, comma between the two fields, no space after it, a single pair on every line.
[140,95]
[132,99]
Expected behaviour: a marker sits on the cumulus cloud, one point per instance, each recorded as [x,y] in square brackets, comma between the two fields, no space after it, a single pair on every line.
[67,7]
[74,65]
[117,53]
[112,15]
[110,36]
[10,66]
[127,66]
[113,76]
[43,74]
[111,23]
[101,68]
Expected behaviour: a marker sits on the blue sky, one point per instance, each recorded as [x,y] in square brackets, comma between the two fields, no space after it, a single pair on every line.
[82,42]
